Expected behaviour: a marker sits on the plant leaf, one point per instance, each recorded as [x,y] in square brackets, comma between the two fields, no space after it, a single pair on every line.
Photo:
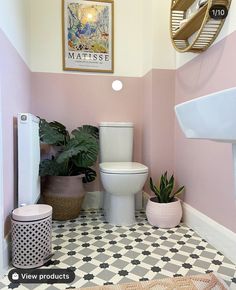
[88,156]
[178,192]
[51,167]
[153,187]
[91,130]
[165,176]
[53,133]
[162,183]
[83,149]
[165,194]
[171,182]
[71,149]
[90,175]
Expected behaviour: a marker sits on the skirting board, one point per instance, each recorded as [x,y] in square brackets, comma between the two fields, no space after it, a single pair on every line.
[217,235]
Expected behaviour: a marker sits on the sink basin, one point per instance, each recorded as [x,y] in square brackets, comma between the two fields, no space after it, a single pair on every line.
[210,117]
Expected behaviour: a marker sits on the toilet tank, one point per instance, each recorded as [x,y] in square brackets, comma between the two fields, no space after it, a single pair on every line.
[116,141]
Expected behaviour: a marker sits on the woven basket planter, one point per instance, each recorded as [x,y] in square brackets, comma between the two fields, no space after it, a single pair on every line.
[164,215]
[65,194]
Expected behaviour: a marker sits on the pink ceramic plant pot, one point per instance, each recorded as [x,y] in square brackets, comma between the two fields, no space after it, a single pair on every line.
[164,215]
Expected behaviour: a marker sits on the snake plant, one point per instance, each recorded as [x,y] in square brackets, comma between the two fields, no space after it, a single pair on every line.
[165,191]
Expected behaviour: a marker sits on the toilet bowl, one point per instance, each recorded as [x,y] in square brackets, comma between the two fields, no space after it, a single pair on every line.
[121,181]
[121,178]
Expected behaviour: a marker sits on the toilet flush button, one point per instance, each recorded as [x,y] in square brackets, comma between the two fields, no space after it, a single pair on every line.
[117,85]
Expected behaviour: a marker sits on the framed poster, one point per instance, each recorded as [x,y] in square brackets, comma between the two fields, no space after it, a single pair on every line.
[88,43]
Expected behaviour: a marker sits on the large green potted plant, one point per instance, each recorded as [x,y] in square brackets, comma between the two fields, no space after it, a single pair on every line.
[164,209]
[69,165]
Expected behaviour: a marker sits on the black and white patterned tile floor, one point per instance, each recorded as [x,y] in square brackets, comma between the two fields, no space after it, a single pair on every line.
[100,253]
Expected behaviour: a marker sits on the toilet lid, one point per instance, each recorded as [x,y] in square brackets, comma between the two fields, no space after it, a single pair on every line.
[32,212]
[123,167]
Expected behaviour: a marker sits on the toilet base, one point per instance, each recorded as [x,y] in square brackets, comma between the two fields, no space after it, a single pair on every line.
[119,209]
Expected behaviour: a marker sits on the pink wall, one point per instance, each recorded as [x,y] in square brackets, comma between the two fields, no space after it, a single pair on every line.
[163,86]
[205,167]
[75,99]
[147,123]
[15,97]
[158,120]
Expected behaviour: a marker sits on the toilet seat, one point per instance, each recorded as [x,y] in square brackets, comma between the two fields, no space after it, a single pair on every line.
[123,167]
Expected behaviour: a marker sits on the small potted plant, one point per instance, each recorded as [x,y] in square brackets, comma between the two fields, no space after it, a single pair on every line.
[164,209]
[67,166]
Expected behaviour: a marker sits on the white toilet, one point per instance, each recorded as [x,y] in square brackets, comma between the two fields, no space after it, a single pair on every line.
[121,178]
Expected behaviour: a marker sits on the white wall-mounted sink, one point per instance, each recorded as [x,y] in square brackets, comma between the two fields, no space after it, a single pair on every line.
[210,117]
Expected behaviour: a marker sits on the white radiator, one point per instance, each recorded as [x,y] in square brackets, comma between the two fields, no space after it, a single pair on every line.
[28,159]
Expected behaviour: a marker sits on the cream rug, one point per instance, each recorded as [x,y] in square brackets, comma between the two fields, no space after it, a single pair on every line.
[198,282]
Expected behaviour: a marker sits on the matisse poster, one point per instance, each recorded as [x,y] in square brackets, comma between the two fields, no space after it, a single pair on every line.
[88,35]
